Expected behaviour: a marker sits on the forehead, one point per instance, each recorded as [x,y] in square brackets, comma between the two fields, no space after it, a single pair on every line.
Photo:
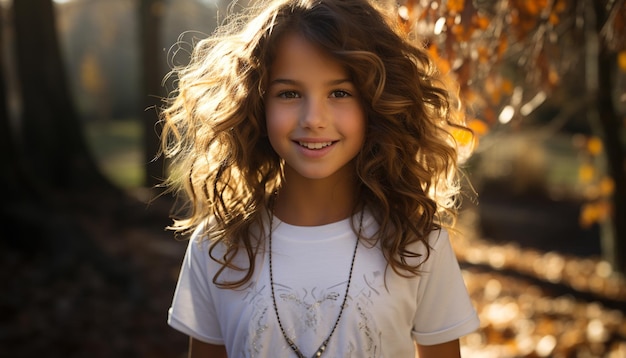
[295,56]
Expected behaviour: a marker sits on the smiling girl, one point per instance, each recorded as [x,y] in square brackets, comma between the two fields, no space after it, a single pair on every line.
[311,140]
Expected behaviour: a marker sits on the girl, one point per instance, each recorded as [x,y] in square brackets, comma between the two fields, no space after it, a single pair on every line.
[312,140]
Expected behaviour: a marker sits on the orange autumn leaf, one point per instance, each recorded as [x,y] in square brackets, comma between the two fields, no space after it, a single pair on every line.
[433,52]
[553,77]
[478,127]
[495,97]
[503,45]
[462,33]
[442,64]
[483,54]
[469,96]
[589,214]
[507,86]
[607,186]
[586,172]
[457,30]
[621,60]
[481,22]
[594,212]
[456,6]
[534,7]
[594,145]
[554,19]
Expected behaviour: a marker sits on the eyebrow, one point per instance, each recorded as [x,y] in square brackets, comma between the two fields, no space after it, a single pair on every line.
[294,82]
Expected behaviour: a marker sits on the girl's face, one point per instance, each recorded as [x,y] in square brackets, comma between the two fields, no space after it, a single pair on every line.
[315,121]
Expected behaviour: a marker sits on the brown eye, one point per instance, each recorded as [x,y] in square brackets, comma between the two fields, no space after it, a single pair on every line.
[340,94]
[289,94]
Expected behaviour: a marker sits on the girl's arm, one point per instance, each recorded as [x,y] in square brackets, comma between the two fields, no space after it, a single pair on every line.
[199,349]
[444,350]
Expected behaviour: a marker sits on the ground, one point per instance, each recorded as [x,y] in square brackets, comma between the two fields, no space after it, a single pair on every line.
[110,298]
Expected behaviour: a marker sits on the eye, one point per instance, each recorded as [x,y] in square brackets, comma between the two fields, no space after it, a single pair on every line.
[340,94]
[288,94]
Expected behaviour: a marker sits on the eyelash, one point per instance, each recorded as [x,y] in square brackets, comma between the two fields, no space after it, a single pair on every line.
[295,94]
[288,94]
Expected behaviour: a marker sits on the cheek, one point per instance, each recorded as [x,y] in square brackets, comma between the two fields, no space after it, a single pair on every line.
[275,125]
[356,125]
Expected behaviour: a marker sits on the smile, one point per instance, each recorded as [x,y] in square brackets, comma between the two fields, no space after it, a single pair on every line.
[315,145]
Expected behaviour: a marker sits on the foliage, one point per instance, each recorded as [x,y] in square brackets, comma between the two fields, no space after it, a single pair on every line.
[509,56]
[510,52]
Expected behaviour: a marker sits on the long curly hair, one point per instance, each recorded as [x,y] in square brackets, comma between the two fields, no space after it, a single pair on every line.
[215,135]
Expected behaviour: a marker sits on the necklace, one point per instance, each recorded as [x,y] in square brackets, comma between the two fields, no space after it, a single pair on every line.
[324,344]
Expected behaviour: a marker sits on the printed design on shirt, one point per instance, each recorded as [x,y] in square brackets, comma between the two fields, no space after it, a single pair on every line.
[314,308]
[369,290]
[308,307]
[257,299]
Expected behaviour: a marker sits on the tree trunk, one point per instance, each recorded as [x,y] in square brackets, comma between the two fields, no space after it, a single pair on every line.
[609,123]
[12,177]
[52,138]
[152,66]
[55,157]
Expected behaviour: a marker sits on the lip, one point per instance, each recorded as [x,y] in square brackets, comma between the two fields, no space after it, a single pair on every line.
[314,153]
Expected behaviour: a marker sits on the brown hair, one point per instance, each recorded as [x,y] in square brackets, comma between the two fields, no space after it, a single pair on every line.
[215,123]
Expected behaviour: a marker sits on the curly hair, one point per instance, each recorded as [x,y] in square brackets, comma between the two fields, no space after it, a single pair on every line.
[214,127]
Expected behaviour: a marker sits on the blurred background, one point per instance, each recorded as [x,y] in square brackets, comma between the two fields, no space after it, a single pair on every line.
[88,268]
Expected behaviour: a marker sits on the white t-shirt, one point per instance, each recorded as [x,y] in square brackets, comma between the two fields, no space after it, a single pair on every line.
[311,267]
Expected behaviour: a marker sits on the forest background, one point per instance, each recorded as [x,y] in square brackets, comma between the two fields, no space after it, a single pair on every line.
[89,268]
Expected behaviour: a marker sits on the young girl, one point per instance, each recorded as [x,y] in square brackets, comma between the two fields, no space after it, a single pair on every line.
[312,140]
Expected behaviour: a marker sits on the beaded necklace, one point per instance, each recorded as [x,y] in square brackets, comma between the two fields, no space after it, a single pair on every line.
[324,344]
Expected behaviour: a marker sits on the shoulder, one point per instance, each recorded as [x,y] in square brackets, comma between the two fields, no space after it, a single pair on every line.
[202,246]
[205,237]
[199,239]
[441,256]
[433,252]
[439,238]
[440,245]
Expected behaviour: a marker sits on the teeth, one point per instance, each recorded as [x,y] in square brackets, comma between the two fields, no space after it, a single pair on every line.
[316,145]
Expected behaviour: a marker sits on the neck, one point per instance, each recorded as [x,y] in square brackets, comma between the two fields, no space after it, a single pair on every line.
[310,202]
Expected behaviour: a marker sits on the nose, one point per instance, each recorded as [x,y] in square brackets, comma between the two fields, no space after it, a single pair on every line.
[314,114]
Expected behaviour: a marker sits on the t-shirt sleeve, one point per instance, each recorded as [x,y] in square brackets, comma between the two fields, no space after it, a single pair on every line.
[445,311]
[193,310]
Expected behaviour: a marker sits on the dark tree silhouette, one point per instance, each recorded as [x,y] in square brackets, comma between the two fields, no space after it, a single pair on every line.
[12,176]
[52,143]
[54,180]
[610,122]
